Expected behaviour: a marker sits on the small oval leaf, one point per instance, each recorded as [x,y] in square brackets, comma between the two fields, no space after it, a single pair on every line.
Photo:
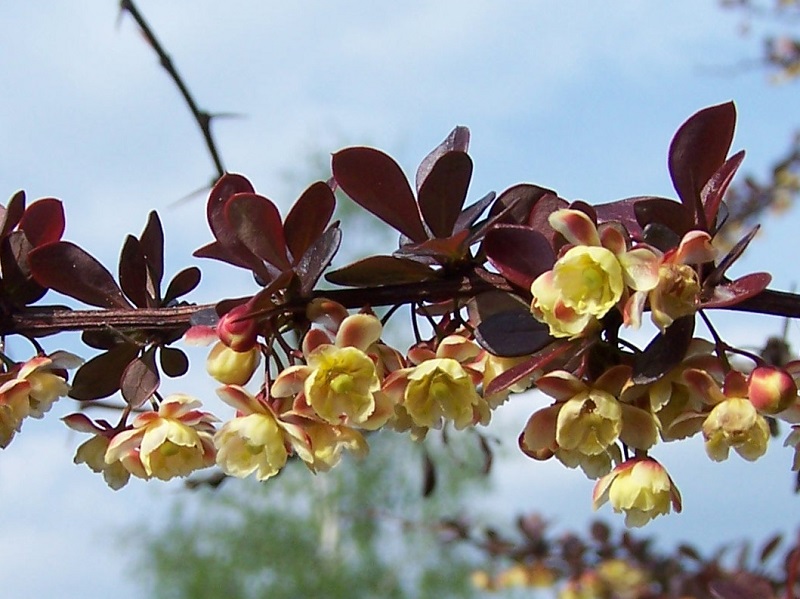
[381,270]
[375,182]
[512,333]
[43,221]
[140,379]
[519,253]
[68,269]
[182,283]
[444,191]
[173,361]
[308,218]
[100,376]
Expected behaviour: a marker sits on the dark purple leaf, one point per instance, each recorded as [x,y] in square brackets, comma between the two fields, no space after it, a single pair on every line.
[662,211]
[100,376]
[730,294]
[140,379]
[472,213]
[512,333]
[381,270]
[257,224]
[375,182]
[152,243]
[437,250]
[697,151]
[227,186]
[518,201]
[12,213]
[43,221]
[664,352]
[457,141]
[444,191]
[229,248]
[68,269]
[716,276]
[133,273]
[519,253]
[623,212]
[174,362]
[714,190]
[18,284]
[317,258]
[101,338]
[182,283]
[308,218]
[661,237]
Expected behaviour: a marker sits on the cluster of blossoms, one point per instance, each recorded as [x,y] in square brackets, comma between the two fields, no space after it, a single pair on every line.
[29,389]
[347,383]
[535,294]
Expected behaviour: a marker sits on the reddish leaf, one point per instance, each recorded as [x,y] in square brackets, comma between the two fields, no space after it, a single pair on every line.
[665,212]
[230,249]
[519,253]
[133,273]
[43,221]
[664,352]
[257,224]
[739,290]
[140,379]
[769,548]
[182,283]
[714,190]
[716,276]
[173,361]
[18,285]
[439,250]
[100,376]
[381,270]
[512,333]
[697,151]
[308,218]
[12,213]
[375,182]
[457,141]
[317,258]
[227,186]
[70,270]
[472,213]
[428,474]
[539,360]
[444,191]
[152,243]
[521,200]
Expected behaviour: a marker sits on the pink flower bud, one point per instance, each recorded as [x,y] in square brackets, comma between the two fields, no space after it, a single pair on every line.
[771,390]
[236,330]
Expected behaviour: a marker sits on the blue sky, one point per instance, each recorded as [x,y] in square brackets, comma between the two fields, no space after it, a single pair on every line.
[577,96]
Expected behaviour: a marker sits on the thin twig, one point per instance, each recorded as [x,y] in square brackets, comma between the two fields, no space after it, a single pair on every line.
[202,117]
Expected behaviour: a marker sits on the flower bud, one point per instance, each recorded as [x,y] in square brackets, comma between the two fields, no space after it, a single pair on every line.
[236,330]
[771,390]
[231,367]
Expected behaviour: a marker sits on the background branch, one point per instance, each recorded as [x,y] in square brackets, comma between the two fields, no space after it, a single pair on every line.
[202,117]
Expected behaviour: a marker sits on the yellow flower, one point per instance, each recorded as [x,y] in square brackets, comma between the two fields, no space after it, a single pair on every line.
[440,388]
[639,487]
[735,423]
[328,441]
[30,390]
[677,292]
[259,439]
[548,307]
[592,277]
[342,382]
[589,279]
[173,442]
[92,453]
[231,367]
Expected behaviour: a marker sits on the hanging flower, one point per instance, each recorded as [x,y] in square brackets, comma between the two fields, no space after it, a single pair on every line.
[173,442]
[639,487]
